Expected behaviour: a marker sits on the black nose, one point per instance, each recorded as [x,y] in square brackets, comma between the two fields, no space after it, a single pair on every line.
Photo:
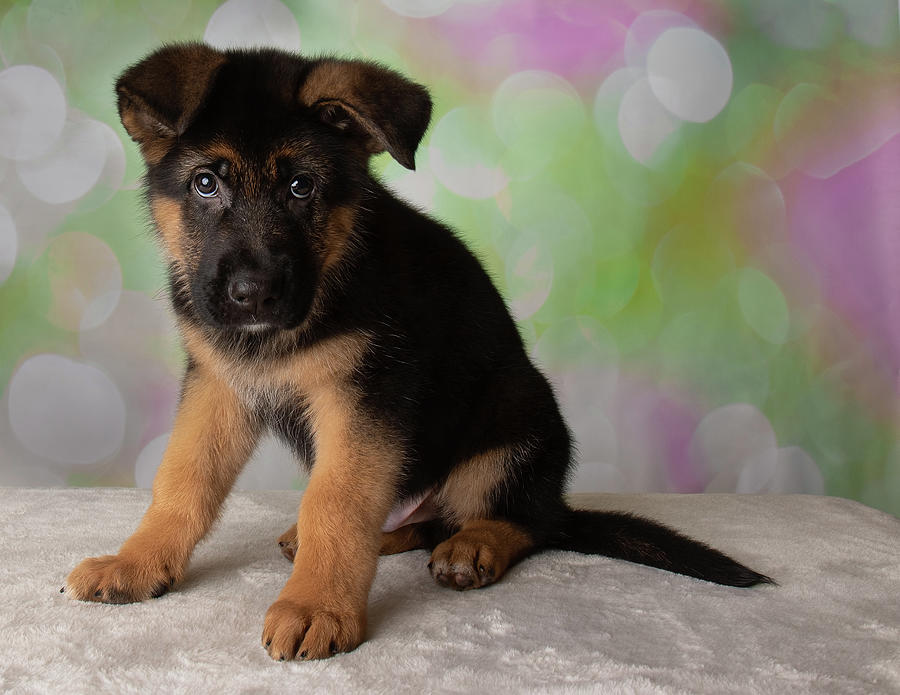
[255,293]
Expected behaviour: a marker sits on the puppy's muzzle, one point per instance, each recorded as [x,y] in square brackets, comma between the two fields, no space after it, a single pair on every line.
[254,293]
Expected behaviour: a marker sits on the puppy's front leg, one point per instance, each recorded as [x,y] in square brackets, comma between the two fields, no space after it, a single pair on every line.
[213,437]
[322,608]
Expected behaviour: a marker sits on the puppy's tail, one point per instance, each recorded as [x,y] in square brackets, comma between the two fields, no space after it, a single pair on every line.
[633,538]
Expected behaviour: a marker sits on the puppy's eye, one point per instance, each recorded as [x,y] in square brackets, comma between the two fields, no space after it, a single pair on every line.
[206,185]
[302,186]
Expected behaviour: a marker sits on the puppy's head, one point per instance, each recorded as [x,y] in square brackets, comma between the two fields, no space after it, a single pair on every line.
[256,164]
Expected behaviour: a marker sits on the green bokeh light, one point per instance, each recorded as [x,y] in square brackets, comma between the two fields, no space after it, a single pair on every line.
[763,305]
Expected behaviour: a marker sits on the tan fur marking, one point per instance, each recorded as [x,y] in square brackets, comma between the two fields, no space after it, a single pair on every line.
[398,541]
[337,236]
[167,215]
[153,148]
[212,439]
[466,494]
[222,150]
[340,81]
[241,174]
[289,150]
[321,366]
[332,80]
[402,539]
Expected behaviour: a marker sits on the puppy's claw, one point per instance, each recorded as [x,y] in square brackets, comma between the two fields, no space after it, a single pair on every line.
[119,579]
[305,630]
[159,590]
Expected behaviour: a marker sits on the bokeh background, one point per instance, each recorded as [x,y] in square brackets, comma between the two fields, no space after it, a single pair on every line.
[692,206]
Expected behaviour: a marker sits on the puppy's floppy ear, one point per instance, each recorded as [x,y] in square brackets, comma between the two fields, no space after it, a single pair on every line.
[159,96]
[389,111]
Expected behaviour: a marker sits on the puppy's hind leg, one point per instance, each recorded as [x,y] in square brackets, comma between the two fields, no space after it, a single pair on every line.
[411,537]
[487,543]
[479,554]
[287,541]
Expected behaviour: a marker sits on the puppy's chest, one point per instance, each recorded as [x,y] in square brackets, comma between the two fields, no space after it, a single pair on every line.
[261,393]
[299,399]
[282,408]
[305,394]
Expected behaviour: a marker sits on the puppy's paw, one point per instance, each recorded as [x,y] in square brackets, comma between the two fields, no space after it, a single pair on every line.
[465,563]
[288,542]
[297,629]
[118,579]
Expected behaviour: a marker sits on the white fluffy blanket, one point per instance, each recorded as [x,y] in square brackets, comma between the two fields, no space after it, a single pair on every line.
[559,622]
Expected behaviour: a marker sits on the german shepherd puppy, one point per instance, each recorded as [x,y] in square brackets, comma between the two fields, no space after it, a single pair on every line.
[315,304]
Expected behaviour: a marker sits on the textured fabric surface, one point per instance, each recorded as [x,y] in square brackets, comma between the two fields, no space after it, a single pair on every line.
[559,622]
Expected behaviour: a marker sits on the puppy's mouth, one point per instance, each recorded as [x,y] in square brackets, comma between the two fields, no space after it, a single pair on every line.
[257,327]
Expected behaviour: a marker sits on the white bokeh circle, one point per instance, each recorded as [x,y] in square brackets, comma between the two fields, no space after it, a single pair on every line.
[252,23]
[796,472]
[538,115]
[746,199]
[637,183]
[690,73]
[112,176]
[138,330]
[581,359]
[645,29]
[585,396]
[66,411]
[9,244]
[415,187]
[273,465]
[85,281]
[598,450]
[599,477]
[854,124]
[529,277]
[730,439]
[610,93]
[69,169]
[545,215]
[464,154]
[33,112]
[644,124]
[148,460]
[792,471]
